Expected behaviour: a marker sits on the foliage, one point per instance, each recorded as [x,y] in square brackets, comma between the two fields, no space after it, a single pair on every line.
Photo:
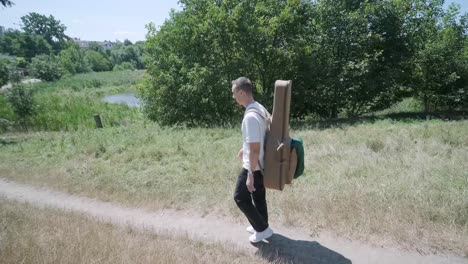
[46,67]
[440,64]
[4,71]
[98,61]
[195,55]
[14,74]
[24,44]
[345,58]
[128,53]
[6,3]
[70,102]
[21,100]
[47,27]
[73,59]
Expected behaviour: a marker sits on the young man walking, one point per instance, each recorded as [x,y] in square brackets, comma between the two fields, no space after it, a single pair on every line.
[249,194]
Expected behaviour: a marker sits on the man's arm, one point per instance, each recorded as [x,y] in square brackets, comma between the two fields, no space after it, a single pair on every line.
[254,155]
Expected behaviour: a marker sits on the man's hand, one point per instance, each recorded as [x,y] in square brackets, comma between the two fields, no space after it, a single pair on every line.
[250,182]
[239,155]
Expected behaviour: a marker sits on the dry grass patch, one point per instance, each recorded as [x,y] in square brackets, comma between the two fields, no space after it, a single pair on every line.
[31,235]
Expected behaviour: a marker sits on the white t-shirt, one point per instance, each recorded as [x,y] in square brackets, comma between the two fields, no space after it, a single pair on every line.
[253,131]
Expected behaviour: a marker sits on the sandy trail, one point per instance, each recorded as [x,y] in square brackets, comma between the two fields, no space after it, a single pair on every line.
[293,245]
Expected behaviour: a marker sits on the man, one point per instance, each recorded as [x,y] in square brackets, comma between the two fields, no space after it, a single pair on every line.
[250,193]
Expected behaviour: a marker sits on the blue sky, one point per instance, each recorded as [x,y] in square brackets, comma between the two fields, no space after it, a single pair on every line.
[104,19]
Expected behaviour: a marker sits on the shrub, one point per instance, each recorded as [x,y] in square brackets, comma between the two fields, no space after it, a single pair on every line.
[98,61]
[46,67]
[21,99]
[4,71]
[73,60]
[21,62]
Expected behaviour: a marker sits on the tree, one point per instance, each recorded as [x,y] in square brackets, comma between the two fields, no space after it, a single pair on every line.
[6,3]
[73,59]
[46,67]
[127,42]
[439,65]
[128,53]
[48,27]
[98,61]
[199,50]
[23,44]
[357,58]
[93,45]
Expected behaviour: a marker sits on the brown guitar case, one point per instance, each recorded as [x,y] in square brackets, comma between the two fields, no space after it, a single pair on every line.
[280,162]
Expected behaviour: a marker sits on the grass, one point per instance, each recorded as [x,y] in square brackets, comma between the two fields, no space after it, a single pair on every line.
[70,103]
[32,235]
[407,105]
[406,182]
[79,82]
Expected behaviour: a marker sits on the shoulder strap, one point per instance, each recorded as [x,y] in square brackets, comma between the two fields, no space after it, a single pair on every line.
[266,116]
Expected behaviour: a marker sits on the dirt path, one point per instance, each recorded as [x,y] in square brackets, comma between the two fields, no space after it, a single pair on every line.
[290,244]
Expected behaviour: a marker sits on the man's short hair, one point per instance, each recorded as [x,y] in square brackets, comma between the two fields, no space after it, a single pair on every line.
[244,84]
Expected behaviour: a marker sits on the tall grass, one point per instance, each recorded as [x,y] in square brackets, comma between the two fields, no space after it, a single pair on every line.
[31,235]
[73,111]
[407,182]
[70,103]
[79,82]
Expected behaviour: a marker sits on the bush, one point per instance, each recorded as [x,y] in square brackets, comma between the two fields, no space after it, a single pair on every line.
[21,100]
[4,72]
[46,67]
[21,62]
[5,125]
[98,61]
[73,60]
[14,74]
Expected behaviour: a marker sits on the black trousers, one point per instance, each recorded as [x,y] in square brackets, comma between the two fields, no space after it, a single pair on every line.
[253,205]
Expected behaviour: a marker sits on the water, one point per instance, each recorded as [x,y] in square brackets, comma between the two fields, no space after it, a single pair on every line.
[125,98]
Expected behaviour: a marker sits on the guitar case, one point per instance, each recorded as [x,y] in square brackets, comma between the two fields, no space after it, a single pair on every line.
[280,162]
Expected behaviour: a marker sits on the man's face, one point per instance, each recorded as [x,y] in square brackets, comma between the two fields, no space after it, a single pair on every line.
[237,94]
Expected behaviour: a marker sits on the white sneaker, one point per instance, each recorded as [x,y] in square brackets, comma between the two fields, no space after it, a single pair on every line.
[259,236]
[250,229]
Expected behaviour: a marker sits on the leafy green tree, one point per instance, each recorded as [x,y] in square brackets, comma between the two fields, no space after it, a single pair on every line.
[74,60]
[357,60]
[46,67]
[127,42]
[439,65]
[198,51]
[93,45]
[47,27]
[23,44]
[98,61]
[128,53]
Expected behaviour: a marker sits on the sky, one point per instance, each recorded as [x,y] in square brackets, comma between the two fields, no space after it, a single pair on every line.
[96,20]
[101,20]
